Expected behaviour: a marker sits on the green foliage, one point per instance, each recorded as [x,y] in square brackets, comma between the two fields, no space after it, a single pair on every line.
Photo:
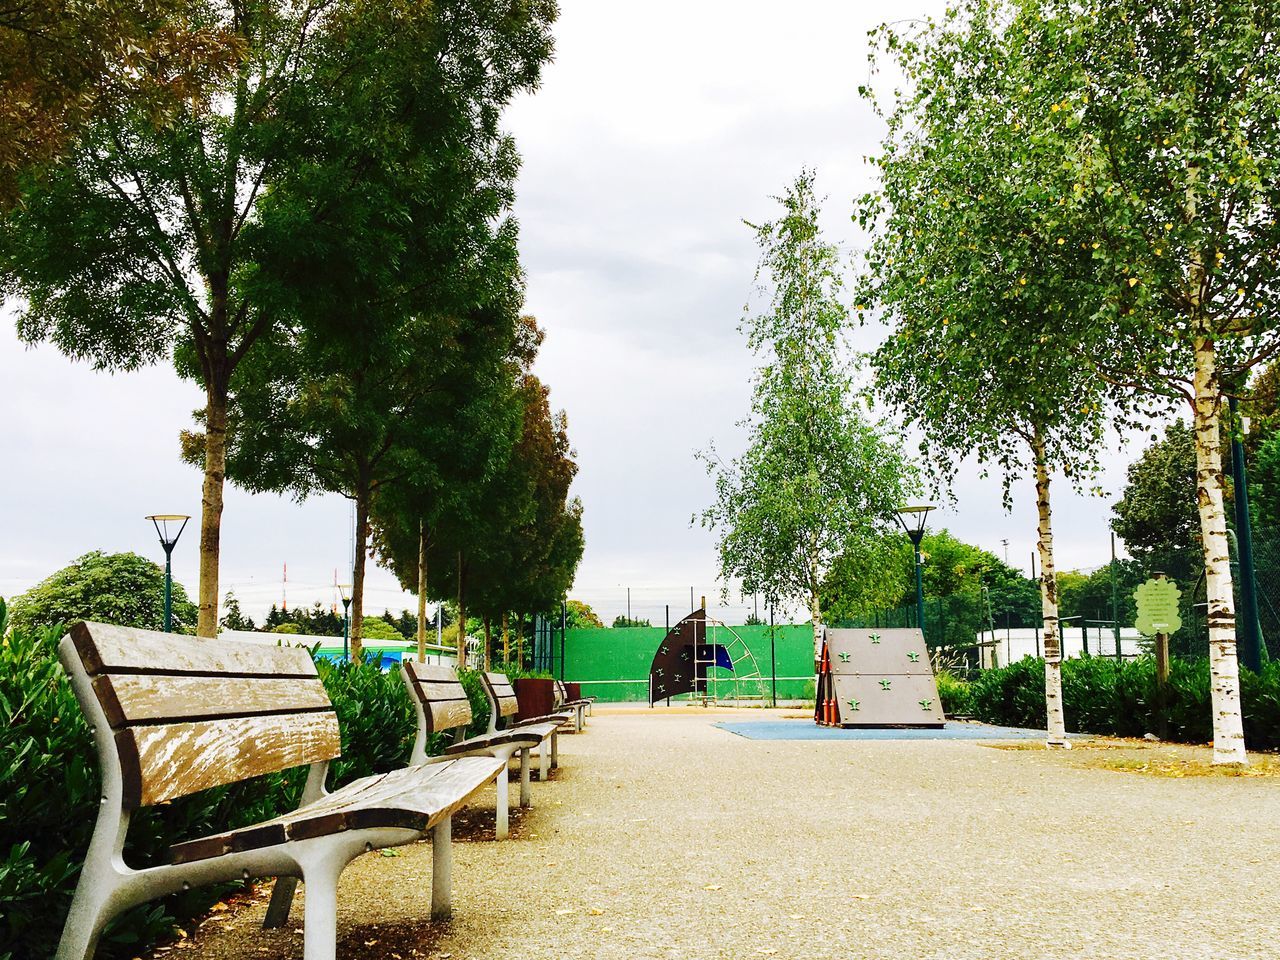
[119,588]
[49,794]
[1121,699]
[1264,490]
[579,615]
[290,628]
[1157,516]
[621,620]
[377,628]
[820,478]
[954,693]
[233,618]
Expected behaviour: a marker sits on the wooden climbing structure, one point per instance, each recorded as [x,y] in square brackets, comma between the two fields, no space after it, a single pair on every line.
[876,678]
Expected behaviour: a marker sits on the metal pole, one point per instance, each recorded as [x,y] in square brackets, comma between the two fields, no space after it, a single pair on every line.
[629,606]
[773,656]
[920,589]
[1037,622]
[691,606]
[1115,599]
[168,589]
[564,628]
[346,629]
[1251,634]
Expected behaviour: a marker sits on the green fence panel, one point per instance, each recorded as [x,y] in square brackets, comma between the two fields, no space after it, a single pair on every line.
[612,664]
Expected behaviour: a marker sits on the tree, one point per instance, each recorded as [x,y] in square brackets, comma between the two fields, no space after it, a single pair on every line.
[580,616]
[978,294]
[1265,493]
[622,620]
[63,63]
[1156,516]
[118,588]
[200,236]
[232,617]
[1164,130]
[819,479]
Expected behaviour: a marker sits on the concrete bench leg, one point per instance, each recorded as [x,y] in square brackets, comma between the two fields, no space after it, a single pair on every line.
[320,911]
[441,870]
[90,911]
[526,797]
[501,828]
[555,750]
[281,901]
[544,766]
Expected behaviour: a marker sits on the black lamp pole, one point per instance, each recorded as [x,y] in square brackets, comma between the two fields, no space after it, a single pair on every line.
[168,540]
[344,591]
[912,520]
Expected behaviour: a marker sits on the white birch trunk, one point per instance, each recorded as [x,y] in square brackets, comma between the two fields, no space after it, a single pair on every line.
[815,614]
[1056,726]
[1224,671]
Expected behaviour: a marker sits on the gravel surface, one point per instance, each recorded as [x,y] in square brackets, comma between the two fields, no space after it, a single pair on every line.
[662,836]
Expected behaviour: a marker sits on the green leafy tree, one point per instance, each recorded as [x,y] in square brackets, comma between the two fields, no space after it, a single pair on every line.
[1156,516]
[117,588]
[579,616]
[204,237]
[1165,132]
[977,293]
[621,620]
[233,618]
[1265,489]
[819,479]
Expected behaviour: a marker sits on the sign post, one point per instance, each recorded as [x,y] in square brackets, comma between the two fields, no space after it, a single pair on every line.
[1158,616]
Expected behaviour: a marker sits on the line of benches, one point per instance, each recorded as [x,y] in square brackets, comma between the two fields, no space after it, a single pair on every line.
[174,715]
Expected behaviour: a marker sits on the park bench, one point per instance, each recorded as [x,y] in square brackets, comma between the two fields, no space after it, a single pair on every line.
[174,715]
[442,706]
[581,706]
[504,705]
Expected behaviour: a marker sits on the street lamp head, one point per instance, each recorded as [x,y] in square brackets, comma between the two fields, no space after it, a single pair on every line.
[912,520]
[344,592]
[169,527]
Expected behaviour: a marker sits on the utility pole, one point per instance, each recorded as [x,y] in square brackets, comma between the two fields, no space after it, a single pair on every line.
[1115,599]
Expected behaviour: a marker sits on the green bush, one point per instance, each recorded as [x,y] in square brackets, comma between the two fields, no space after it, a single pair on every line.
[956,697]
[49,794]
[375,628]
[1103,696]
[120,588]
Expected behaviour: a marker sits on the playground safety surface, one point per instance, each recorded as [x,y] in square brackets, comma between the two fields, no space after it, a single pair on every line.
[664,836]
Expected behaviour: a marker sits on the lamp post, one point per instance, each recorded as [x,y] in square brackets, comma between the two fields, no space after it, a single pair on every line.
[344,591]
[165,524]
[912,520]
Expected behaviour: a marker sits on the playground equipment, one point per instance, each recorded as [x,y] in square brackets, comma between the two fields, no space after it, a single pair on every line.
[876,678]
[694,658]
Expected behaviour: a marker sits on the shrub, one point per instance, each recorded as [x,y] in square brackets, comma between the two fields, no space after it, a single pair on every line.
[49,794]
[120,588]
[375,628]
[956,697]
[1103,696]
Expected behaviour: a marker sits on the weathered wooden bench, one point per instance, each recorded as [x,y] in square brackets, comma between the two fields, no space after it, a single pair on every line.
[504,705]
[442,706]
[174,715]
[580,707]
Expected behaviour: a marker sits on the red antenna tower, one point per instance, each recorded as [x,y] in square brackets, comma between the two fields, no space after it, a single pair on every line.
[284,591]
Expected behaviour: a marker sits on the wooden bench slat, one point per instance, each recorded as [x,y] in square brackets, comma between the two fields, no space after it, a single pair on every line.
[414,798]
[108,649]
[439,690]
[446,714]
[432,671]
[172,760]
[142,698]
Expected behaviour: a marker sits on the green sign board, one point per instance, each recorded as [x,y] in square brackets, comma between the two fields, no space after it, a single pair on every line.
[1157,607]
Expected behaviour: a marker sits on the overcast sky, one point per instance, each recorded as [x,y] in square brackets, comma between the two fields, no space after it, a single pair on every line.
[652,138]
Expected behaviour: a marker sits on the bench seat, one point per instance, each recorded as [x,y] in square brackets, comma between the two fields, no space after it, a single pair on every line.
[530,734]
[412,798]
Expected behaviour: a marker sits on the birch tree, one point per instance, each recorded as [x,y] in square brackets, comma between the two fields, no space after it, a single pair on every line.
[981,292]
[820,478]
[1165,117]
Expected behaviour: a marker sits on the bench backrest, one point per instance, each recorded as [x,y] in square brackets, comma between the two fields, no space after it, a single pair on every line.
[436,687]
[562,695]
[185,714]
[502,693]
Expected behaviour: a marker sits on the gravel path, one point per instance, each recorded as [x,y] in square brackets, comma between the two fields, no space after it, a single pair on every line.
[664,837]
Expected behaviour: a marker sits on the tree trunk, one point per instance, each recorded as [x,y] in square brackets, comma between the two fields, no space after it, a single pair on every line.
[215,475]
[506,640]
[488,637]
[462,616]
[422,592]
[357,574]
[1056,721]
[1228,725]
[520,640]
[815,614]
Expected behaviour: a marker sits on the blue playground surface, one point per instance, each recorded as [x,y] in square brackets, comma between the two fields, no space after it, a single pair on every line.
[808,730]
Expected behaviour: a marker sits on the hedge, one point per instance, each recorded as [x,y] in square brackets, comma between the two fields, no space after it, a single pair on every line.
[49,793]
[1103,696]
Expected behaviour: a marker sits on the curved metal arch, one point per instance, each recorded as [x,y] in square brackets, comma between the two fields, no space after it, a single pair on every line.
[690,658]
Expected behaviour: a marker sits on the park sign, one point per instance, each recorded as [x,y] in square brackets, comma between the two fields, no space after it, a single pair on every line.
[1157,607]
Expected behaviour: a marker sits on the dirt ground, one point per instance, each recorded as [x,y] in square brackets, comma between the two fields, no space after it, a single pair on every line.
[663,836]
